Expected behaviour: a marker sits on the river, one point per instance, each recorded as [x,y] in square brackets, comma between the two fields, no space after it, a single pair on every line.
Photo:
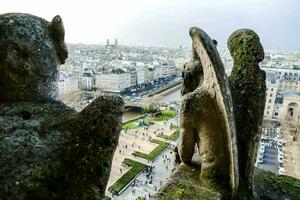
[170,95]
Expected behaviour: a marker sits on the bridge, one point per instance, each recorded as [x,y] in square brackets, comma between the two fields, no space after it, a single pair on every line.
[155,96]
[139,104]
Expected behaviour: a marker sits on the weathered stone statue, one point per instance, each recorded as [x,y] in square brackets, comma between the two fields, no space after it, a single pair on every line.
[210,119]
[31,49]
[207,117]
[248,87]
[192,74]
[47,150]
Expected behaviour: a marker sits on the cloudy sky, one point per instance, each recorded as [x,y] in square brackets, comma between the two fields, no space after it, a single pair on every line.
[166,22]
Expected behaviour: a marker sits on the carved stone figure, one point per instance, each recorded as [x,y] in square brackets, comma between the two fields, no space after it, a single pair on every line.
[207,118]
[248,87]
[192,74]
[31,49]
[47,150]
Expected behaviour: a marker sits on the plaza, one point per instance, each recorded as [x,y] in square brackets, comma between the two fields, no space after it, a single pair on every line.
[157,170]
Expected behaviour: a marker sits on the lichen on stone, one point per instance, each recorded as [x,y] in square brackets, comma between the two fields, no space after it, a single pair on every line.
[47,150]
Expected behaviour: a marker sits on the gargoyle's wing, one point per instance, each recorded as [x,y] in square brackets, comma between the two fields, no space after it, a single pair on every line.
[216,78]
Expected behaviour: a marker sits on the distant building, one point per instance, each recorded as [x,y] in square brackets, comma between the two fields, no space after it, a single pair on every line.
[289,109]
[111,46]
[67,83]
[271,92]
[141,74]
[115,81]
[283,94]
[88,80]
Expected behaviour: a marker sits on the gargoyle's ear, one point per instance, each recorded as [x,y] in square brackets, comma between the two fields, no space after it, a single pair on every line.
[57,33]
[215,42]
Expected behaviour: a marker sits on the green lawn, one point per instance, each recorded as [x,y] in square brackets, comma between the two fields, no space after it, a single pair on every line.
[155,152]
[173,136]
[106,198]
[165,115]
[123,181]
[132,124]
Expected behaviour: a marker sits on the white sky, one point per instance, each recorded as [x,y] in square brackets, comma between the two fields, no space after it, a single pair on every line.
[166,22]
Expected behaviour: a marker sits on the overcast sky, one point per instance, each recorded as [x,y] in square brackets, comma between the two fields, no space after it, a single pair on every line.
[166,22]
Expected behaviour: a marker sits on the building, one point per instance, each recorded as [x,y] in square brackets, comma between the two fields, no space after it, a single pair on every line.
[282,95]
[116,80]
[289,110]
[67,83]
[111,46]
[271,93]
[88,80]
[141,73]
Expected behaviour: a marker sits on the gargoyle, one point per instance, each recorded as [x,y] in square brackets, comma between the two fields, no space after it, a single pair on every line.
[248,87]
[47,150]
[207,118]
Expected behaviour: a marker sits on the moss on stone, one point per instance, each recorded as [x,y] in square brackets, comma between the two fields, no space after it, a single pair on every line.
[276,187]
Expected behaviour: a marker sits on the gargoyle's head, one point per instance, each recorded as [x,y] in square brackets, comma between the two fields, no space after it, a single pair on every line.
[31,49]
[244,45]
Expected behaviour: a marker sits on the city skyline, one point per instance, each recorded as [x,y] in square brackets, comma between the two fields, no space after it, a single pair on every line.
[156,23]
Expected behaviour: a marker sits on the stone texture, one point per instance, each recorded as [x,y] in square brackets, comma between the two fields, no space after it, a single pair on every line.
[248,87]
[186,184]
[31,49]
[47,150]
[269,186]
[192,74]
[207,118]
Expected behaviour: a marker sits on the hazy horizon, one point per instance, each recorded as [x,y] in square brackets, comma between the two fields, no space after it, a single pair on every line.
[166,23]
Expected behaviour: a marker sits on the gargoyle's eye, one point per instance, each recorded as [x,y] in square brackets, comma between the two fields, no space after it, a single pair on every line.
[27,66]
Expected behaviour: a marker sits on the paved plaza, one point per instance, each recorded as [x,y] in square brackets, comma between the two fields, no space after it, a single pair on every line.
[138,139]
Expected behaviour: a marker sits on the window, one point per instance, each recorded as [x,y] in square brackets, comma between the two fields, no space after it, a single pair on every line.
[271,89]
[271,95]
[276,113]
[270,100]
[268,107]
[267,112]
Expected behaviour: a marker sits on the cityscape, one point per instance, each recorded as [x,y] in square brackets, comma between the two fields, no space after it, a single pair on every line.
[146,76]
[150,100]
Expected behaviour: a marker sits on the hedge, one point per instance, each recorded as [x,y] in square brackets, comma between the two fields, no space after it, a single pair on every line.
[165,115]
[123,181]
[155,152]
[173,136]
[131,124]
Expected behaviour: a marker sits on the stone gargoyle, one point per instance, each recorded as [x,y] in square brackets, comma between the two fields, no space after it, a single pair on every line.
[48,150]
[207,117]
[224,117]
[248,88]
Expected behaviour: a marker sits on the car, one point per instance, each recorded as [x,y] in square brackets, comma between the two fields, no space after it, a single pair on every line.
[280,165]
[281,171]
[280,159]
[280,153]
[260,160]
[261,152]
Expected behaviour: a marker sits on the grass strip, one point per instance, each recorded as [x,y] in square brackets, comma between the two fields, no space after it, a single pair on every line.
[123,181]
[155,152]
